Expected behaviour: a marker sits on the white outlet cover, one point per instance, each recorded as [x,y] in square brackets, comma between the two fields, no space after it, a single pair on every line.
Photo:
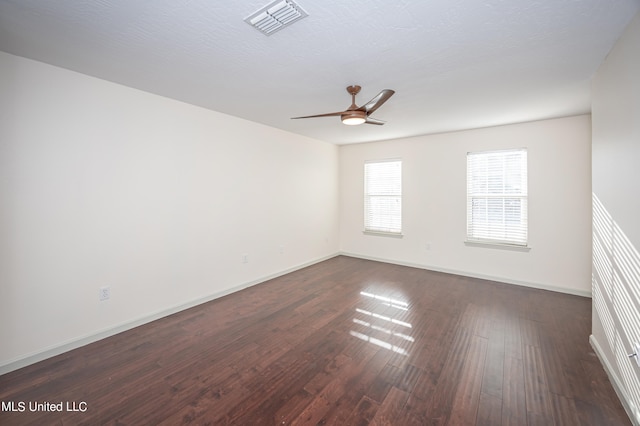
[104,293]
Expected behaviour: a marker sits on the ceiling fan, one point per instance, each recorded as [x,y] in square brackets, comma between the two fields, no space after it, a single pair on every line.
[355,115]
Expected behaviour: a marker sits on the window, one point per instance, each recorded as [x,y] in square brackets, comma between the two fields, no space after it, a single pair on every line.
[497,197]
[383,196]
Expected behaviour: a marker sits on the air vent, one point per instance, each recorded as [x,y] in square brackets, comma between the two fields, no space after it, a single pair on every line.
[276,16]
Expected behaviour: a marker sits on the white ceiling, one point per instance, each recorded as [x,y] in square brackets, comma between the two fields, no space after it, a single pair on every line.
[454,64]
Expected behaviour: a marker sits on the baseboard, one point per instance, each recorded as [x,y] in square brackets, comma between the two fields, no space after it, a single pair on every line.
[632,412]
[473,275]
[128,325]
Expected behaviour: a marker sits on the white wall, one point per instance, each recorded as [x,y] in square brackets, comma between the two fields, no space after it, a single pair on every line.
[434,204]
[104,185]
[616,190]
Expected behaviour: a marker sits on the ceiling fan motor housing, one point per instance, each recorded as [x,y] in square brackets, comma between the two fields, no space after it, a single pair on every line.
[352,118]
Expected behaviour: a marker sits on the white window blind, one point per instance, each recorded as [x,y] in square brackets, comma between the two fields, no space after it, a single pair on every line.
[497,197]
[383,196]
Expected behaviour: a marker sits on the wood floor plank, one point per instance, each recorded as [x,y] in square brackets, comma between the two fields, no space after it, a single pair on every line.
[493,375]
[357,381]
[537,396]
[514,407]
[530,332]
[363,412]
[464,409]
[555,367]
[513,337]
[489,410]
[439,407]
[391,411]
[564,410]
[345,341]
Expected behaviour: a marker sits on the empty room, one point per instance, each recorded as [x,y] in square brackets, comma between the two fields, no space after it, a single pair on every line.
[320,213]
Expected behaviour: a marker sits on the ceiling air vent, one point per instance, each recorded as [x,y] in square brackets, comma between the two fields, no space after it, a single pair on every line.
[275,16]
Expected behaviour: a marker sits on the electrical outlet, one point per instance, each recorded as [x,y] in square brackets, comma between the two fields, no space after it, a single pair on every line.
[281,249]
[104,293]
[245,258]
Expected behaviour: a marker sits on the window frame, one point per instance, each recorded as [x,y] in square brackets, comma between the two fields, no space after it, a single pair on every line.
[514,237]
[368,228]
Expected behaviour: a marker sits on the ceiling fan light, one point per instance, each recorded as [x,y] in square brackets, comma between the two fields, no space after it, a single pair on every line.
[353,118]
[353,121]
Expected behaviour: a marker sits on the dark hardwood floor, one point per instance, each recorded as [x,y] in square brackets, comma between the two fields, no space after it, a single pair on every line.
[343,342]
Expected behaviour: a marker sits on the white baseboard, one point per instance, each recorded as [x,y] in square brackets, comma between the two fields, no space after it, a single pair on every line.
[632,412]
[101,334]
[473,275]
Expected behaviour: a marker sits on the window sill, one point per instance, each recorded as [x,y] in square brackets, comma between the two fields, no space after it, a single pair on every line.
[383,234]
[499,246]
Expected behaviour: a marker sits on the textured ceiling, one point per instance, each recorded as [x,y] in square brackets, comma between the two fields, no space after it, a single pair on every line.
[454,64]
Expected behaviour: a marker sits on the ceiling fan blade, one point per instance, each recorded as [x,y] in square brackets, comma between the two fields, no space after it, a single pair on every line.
[374,121]
[377,101]
[330,114]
